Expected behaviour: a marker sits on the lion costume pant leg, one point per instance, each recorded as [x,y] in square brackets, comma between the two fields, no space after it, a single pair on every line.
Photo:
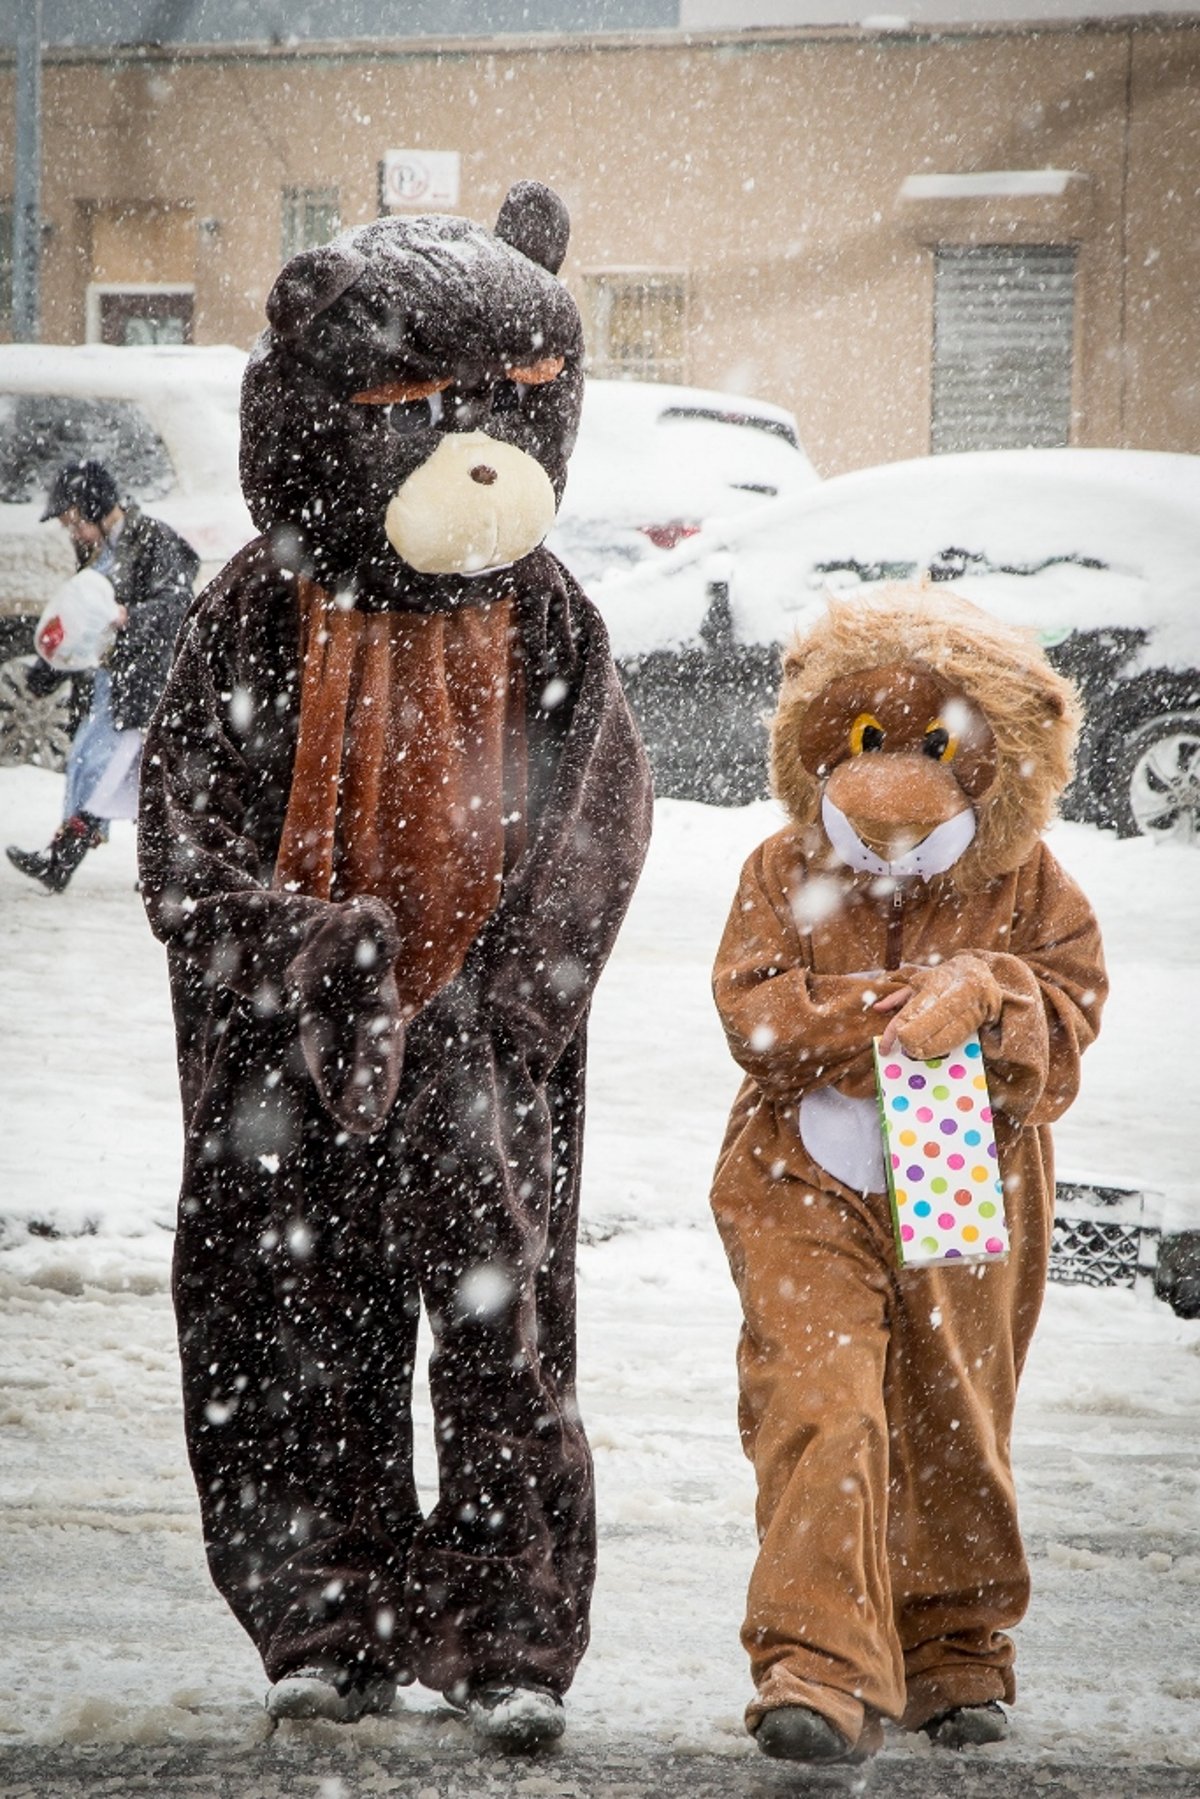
[877,1412]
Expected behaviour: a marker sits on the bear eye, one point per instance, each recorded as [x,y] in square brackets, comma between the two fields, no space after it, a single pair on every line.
[866,733]
[938,742]
[407,416]
[509,396]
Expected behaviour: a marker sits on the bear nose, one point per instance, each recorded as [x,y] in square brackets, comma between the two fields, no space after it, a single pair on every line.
[483,474]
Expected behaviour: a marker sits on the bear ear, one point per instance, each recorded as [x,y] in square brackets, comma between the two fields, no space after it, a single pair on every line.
[534,221]
[308,284]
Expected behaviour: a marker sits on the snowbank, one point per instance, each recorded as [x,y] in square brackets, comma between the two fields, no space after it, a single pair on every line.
[113,1633]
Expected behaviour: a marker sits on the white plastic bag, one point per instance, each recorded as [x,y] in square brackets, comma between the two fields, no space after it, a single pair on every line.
[80,622]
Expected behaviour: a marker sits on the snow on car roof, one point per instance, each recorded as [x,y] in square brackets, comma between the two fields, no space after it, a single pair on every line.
[1135,513]
[119,371]
[189,393]
[649,452]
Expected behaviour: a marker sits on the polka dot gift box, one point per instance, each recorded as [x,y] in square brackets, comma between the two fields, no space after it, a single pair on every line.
[940,1154]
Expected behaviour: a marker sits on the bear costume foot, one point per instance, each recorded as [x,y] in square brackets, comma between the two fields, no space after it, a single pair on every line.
[517,1719]
[326,1691]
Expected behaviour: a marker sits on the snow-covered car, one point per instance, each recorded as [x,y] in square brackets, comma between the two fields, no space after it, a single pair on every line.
[1096,550]
[654,463]
[165,421]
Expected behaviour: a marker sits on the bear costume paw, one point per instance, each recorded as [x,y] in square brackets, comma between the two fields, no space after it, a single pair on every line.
[343,987]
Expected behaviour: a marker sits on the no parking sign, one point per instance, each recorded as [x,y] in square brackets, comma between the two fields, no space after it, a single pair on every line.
[419,178]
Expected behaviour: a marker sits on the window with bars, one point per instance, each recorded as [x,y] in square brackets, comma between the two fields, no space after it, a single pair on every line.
[1003,336]
[636,325]
[311,216]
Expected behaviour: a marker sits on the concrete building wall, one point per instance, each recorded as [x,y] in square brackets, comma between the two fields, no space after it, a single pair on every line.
[766,167]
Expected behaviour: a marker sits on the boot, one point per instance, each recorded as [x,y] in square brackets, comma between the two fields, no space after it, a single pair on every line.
[327,1691]
[515,1718]
[796,1733]
[34,863]
[968,1726]
[55,865]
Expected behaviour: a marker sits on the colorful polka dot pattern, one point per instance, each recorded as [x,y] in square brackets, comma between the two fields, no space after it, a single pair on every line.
[947,1196]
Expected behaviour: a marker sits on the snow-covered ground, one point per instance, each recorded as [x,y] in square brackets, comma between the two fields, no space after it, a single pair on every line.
[112,1632]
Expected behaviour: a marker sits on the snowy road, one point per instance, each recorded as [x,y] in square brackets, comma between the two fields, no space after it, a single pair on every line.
[121,1672]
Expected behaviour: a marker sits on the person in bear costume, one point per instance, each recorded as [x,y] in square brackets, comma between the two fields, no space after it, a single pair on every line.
[393,809]
[918,748]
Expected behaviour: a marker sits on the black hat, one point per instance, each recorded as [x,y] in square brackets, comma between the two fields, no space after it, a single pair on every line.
[88,487]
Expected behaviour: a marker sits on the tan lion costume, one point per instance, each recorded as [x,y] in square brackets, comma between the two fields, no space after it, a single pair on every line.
[919,748]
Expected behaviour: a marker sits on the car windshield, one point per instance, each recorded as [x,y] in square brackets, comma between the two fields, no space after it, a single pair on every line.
[39,432]
[754,421]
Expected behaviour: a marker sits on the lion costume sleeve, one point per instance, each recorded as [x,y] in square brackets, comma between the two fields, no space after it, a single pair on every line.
[919,748]
[393,810]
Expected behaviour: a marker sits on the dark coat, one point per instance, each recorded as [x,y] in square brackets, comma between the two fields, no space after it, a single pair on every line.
[152,575]
[298,1367]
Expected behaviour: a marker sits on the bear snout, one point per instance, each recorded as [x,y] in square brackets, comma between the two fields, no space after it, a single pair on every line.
[475,504]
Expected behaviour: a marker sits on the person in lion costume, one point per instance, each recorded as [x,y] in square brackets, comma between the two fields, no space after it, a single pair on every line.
[919,748]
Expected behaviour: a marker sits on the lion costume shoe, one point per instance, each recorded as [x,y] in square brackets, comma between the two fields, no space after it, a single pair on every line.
[919,748]
[393,810]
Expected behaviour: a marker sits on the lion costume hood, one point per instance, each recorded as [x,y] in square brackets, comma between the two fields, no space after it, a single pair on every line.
[1032,711]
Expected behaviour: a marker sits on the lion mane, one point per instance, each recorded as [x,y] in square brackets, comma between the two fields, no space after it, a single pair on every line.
[1033,711]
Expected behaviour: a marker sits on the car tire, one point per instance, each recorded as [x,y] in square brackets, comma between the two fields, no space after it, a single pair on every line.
[1177,1277]
[1156,779]
[32,728]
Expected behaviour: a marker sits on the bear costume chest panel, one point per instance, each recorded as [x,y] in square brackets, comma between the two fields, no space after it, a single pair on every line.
[410,773]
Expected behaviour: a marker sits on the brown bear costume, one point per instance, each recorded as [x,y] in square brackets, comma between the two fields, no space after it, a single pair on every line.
[919,748]
[393,809]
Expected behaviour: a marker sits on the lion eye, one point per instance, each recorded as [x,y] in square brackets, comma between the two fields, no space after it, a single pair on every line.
[938,742]
[866,733]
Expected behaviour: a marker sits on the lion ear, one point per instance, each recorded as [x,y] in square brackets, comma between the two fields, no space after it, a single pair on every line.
[535,221]
[310,283]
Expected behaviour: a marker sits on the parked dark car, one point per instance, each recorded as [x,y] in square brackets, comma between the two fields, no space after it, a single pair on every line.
[654,463]
[1098,551]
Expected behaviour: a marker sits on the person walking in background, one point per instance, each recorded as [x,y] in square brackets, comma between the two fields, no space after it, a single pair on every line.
[152,570]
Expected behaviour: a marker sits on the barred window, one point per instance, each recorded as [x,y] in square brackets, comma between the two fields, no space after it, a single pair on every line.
[636,325]
[1003,335]
[310,217]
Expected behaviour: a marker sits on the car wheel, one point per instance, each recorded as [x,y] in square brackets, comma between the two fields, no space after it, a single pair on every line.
[1177,1277]
[1157,786]
[32,729]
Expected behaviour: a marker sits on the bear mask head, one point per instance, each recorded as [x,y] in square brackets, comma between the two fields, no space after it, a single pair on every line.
[407,418]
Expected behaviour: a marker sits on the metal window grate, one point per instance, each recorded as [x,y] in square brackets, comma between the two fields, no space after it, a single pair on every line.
[637,326]
[310,217]
[1003,335]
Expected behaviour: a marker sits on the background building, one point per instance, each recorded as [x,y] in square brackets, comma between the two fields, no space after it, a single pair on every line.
[919,236]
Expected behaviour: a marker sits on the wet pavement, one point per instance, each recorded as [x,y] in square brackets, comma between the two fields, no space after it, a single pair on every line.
[306,1764]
